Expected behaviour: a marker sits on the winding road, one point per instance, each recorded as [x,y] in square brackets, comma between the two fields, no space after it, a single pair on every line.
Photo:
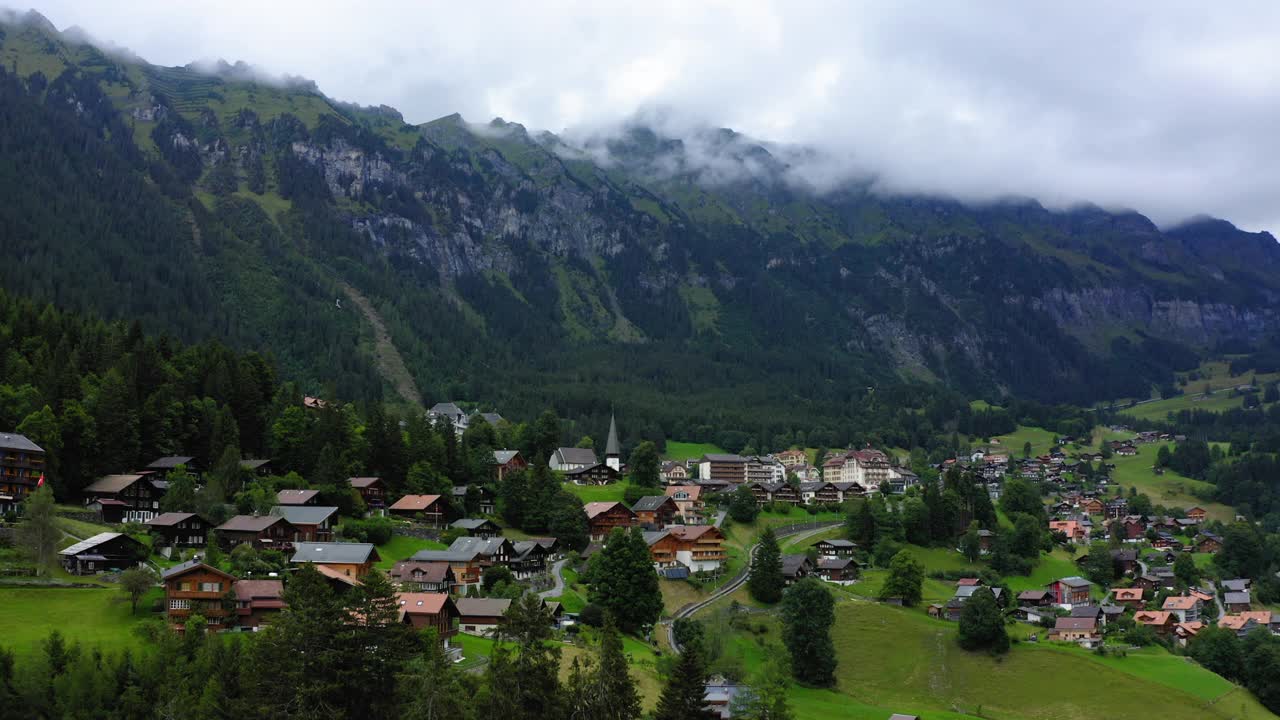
[558,588]
[802,530]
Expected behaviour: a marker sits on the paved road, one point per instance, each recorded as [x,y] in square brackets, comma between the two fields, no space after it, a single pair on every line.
[558,588]
[737,581]
[720,516]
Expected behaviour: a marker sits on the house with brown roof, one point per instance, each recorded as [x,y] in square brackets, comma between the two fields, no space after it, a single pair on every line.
[419,576]
[194,588]
[481,616]
[297,497]
[372,491]
[836,547]
[1130,597]
[1035,598]
[688,499]
[125,498]
[655,512]
[1133,527]
[1198,514]
[796,567]
[263,532]
[1092,506]
[838,570]
[430,510]
[1183,632]
[179,529]
[257,602]
[1159,620]
[1082,630]
[437,611]
[1208,543]
[1073,530]
[352,560]
[603,517]
[1244,623]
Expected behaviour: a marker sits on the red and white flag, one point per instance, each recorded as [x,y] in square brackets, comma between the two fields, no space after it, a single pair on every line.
[40,482]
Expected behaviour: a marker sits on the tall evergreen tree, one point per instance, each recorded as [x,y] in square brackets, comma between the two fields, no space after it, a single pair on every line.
[684,696]
[523,682]
[765,582]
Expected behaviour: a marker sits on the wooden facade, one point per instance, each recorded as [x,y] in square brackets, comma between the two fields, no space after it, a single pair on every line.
[195,588]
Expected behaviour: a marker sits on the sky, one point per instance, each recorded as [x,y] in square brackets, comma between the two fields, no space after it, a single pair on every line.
[1171,108]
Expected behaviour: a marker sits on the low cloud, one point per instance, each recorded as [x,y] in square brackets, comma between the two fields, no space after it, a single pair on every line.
[1168,108]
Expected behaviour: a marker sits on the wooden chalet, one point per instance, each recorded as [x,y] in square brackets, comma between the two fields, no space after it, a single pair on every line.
[478,527]
[1159,620]
[125,498]
[257,602]
[298,497]
[796,567]
[430,577]
[263,532]
[1134,597]
[180,529]
[839,570]
[603,517]
[352,560]
[488,503]
[108,551]
[314,523]
[194,588]
[655,511]
[528,558]
[481,616]
[372,491]
[22,464]
[598,474]
[436,611]
[430,510]
[835,548]
[506,462]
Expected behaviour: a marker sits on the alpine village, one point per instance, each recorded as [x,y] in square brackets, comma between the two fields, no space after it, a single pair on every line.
[307,412]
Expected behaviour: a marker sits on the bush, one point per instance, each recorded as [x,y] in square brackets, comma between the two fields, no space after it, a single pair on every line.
[371,530]
[592,615]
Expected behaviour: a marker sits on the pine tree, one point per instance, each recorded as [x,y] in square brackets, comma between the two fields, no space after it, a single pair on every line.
[684,697]
[765,582]
[523,683]
[808,612]
[982,623]
[971,543]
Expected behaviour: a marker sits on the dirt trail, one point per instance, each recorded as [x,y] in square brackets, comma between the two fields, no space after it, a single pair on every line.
[390,363]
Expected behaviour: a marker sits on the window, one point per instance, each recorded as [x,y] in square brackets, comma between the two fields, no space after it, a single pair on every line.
[211,587]
[184,587]
[179,604]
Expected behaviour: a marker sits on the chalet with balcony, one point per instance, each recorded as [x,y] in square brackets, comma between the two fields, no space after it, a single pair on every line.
[372,491]
[352,560]
[263,532]
[179,529]
[125,498]
[108,551]
[193,588]
[838,570]
[688,499]
[314,523]
[21,466]
[603,517]
[430,510]
[655,512]
[598,474]
[506,462]
[423,610]
[298,497]
[416,576]
[836,547]
[477,527]
[528,558]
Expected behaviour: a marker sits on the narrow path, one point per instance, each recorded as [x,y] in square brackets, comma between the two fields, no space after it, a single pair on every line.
[720,516]
[802,531]
[558,588]
[390,362]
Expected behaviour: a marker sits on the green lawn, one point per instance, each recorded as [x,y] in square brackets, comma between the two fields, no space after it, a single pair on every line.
[89,616]
[1169,489]
[401,547]
[918,666]
[1057,564]
[680,451]
[612,492]
[1194,400]
[1041,440]
[475,649]
[80,528]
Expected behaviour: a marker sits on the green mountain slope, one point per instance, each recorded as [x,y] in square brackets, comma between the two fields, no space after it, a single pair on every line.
[686,279]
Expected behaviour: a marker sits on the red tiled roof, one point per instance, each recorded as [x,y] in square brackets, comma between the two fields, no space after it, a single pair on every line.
[414,503]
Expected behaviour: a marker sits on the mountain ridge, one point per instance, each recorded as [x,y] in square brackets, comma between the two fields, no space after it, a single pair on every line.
[500,256]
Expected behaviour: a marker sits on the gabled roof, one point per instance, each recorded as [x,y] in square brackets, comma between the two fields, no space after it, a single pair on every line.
[1180,602]
[446,408]
[361,483]
[335,552]
[478,545]
[14,441]
[259,590]
[502,457]
[111,484]
[253,464]
[1076,623]
[1134,593]
[304,514]
[415,603]
[577,456]
[332,574]
[1235,598]
[249,523]
[483,607]
[296,497]
[693,532]
[653,536]
[830,563]
[446,556]
[171,462]
[431,572]
[93,542]
[694,491]
[191,565]
[1153,617]
[473,523]
[791,564]
[525,548]
[414,503]
[1033,595]
[651,503]
[592,509]
[838,543]
[170,519]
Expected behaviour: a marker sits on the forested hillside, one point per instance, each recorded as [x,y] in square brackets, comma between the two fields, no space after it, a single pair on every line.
[524,271]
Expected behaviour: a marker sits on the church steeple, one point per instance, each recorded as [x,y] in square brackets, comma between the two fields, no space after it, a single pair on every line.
[612,452]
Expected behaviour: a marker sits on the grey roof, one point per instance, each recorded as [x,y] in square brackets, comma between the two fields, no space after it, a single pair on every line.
[653,536]
[1236,598]
[181,568]
[168,463]
[253,464]
[524,547]
[249,523]
[471,523]
[1074,581]
[170,518]
[1086,611]
[334,552]
[577,456]
[482,607]
[304,514]
[14,441]
[293,496]
[446,408]
[829,563]
[649,503]
[492,418]
[611,448]
[112,483]
[502,457]
[791,564]
[1236,585]
[723,458]
[477,545]
[90,543]
[838,542]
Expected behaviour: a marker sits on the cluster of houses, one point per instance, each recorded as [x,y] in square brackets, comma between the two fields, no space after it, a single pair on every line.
[1074,512]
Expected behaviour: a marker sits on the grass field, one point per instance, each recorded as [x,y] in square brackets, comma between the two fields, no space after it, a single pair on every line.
[1169,489]
[680,451]
[919,667]
[1057,564]
[1160,409]
[1012,444]
[402,547]
[612,492]
[89,616]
